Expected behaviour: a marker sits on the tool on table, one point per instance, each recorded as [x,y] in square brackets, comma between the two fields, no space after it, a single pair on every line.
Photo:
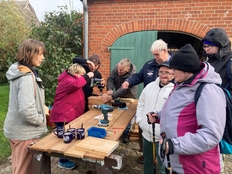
[97,82]
[105,109]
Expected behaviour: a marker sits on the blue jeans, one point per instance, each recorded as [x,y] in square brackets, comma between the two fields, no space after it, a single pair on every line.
[61,124]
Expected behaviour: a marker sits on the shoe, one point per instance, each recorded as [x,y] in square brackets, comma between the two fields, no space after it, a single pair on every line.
[140,160]
[125,138]
[67,165]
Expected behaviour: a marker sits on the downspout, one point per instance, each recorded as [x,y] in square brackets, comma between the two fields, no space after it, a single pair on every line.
[86,28]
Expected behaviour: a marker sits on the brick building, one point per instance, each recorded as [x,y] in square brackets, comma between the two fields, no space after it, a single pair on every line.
[127,28]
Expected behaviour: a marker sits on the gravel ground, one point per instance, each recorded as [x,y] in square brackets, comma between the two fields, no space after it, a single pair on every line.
[129,153]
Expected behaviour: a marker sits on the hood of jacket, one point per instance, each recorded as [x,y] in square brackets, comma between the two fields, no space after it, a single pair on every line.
[15,71]
[63,75]
[220,38]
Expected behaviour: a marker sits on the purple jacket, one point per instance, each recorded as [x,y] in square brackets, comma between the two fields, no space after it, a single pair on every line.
[195,131]
[69,102]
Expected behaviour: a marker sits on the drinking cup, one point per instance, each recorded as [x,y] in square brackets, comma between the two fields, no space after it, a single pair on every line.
[80,133]
[59,132]
[68,137]
[73,131]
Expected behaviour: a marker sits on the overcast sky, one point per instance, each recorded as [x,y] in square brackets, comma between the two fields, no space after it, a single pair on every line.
[42,6]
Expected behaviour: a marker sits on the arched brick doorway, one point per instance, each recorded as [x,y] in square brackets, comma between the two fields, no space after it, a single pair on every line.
[191,28]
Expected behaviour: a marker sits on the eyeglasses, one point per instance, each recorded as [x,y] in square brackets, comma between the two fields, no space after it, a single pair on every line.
[207,46]
[166,73]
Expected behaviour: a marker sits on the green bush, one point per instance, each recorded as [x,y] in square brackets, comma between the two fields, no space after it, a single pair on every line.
[5,149]
[13,30]
[61,33]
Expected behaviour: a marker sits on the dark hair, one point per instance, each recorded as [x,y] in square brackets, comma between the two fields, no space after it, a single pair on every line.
[95,59]
[27,51]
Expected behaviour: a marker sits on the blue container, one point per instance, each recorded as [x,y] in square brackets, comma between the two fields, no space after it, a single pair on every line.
[96,132]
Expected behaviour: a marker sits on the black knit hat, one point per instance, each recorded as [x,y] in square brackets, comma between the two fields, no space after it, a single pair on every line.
[186,59]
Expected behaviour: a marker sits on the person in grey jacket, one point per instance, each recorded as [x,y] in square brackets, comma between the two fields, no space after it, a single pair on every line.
[25,121]
[193,131]
[152,98]
[123,70]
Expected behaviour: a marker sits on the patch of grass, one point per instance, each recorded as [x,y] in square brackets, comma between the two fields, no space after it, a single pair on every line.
[5,149]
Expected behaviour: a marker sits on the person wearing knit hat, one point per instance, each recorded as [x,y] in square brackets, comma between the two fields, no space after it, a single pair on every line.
[186,59]
[192,130]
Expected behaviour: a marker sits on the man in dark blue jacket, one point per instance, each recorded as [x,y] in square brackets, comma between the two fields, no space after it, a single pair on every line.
[149,73]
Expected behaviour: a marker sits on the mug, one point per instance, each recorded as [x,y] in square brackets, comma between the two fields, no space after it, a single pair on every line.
[68,137]
[73,131]
[80,133]
[59,131]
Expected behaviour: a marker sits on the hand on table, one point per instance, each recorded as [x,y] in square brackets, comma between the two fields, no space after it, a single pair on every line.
[105,98]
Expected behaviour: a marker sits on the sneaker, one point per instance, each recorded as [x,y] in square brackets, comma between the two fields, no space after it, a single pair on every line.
[67,165]
[140,160]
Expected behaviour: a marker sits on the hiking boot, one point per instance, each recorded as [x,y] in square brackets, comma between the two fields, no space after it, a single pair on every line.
[125,138]
[67,165]
[140,160]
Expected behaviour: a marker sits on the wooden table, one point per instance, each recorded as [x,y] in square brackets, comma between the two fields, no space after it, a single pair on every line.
[50,145]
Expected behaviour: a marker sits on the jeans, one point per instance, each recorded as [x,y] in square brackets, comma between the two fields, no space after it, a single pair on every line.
[61,124]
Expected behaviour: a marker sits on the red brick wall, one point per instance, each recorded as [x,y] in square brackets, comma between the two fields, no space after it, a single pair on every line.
[110,19]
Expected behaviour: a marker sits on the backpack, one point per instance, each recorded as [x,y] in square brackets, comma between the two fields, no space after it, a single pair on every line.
[229,73]
[226,142]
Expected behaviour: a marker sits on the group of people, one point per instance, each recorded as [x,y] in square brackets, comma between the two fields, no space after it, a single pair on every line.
[166,104]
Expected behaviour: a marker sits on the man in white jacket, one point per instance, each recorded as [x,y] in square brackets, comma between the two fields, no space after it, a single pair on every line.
[151,99]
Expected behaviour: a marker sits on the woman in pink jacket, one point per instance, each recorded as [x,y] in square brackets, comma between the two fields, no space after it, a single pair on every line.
[69,102]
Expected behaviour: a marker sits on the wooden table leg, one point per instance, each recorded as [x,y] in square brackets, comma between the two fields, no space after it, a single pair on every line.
[42,164]
[103,169]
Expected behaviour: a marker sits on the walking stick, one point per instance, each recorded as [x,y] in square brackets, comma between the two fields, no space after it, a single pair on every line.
[169,165]
[163,149]
[153,144]
[154,148]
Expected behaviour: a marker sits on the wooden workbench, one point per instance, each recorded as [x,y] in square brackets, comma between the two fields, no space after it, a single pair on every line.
[53,146]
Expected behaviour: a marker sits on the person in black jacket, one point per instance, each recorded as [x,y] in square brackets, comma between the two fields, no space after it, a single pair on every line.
[91,64]
[217,47]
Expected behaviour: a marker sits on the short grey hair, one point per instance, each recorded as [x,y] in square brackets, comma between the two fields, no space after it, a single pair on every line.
[125,62]
[159,45]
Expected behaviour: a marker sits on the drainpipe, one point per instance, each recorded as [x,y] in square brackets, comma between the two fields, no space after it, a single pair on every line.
[86,25]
